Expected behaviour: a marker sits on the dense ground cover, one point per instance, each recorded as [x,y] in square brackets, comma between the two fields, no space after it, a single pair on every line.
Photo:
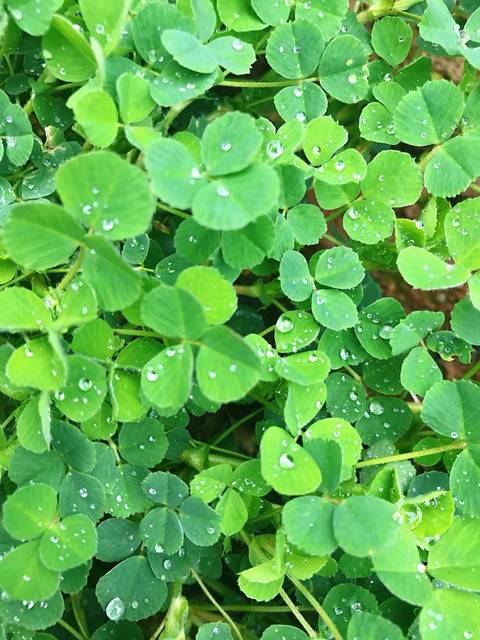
[215,423]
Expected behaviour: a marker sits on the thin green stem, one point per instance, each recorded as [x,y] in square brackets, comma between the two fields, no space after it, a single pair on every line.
[173,113]
[333,240]
[253,84]
[235,425]
[216,604]
[72,272]
[221,450]
[318,608]
[79,615]
[411,454]
[298,615]
[475,187]
[176,212]
[353,373]
[7,420]
[144,333]
[76,634]
[472,371]
[268,330]
[17,279]
[245,608]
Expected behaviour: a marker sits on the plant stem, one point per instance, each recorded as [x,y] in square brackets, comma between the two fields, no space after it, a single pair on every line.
[216,604]
[138,332]
[411,454]
[251,608]
[268,330]
[318,608]
[76,634]
[472,371]
[294,609]
[176,212]
[71,273]
[173,113]
[79,614]
[252,84]
[236,424]
[17,279]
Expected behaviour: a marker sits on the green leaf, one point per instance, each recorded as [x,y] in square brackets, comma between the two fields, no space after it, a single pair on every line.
[219,630]
[18,135]
[106,23]
[450,408]
[323,136]
[309,367]
[33,16]
[176,83]
[376,323]
[247,247]
[233,512]
[348,166]
[162,531]
[455,165]
[308,223]
[295,330]
[284,631]
[148,26]
[343,69]
[438,106]
[371,626]
[392,39]
[308,523]
[67,53]
[74,447]
[414,328]
[227,368]
[464,321]
[453,614]
[39,235]
[286,465]
[85,389]
[175,176]
[173,312]
[419,371]
[215,294]
[143,443]
[37,364]
[104,191]
[210,483]
[231,202]
[369,221]
[33,424]
[385,418]
[339,268]
[238,15]
[304,102]
[353,520]
[230,144]
[394,178]
[165,488]
[334,309]
[234,55]
[134,98]
[22,310]
[167,378]
[302,405]
[68,544]
[29,511]
[464,478]
[327,15]
[200,523]
[115,283]
[295,278]
[188,51]
[203,14]
[462,235]
[424,270]
[294,49]
[455,559]
[96,113]
[24,577]
[130,591]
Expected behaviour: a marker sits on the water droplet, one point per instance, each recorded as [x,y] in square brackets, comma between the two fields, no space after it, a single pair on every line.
[284,325]
[222,191]
[225,146]
[274,149]
[107,225]
[115,609]
[352,78]
[376,408]
[340,165]
[237,44]
[84,384]
[286,461]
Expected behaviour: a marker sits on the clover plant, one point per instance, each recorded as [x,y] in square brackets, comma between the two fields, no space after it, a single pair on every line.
[219,420]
